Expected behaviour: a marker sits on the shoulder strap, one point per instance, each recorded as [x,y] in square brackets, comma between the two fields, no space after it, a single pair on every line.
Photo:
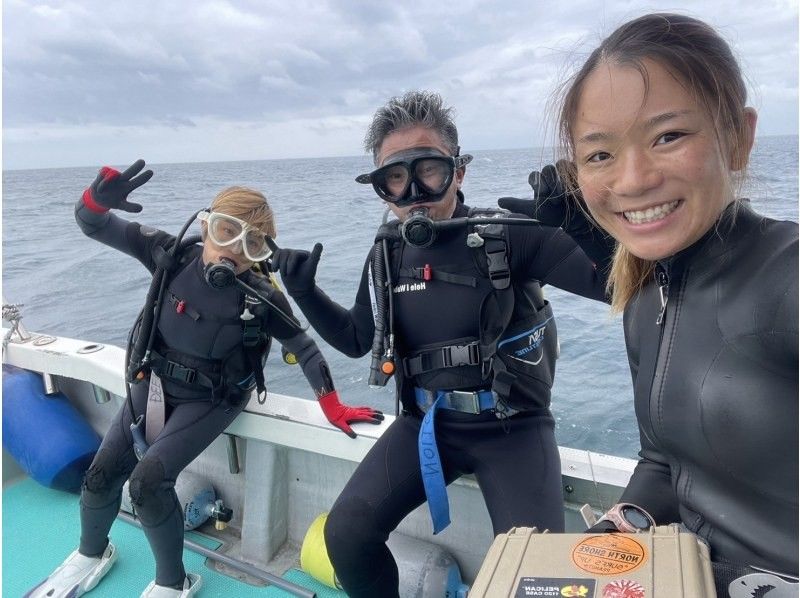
[492,237]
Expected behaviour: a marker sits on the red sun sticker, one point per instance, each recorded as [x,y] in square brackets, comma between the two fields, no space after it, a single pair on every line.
[623,588]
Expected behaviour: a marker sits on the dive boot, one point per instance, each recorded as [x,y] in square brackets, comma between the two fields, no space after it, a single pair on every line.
[77,575]
[191,585]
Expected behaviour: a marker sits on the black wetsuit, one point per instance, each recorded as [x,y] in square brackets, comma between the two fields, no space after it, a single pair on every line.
[716,392]
[206,329]
[514,460]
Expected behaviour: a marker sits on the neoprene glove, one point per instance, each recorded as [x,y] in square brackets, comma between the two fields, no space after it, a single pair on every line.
[552,204]
[298,268]
[111,188]
[342,415]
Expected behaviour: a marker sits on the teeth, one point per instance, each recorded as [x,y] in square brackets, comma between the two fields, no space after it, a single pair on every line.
[651,214]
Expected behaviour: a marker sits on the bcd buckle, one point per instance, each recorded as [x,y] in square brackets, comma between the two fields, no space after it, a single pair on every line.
[250,333]
[181,373]
[456,355]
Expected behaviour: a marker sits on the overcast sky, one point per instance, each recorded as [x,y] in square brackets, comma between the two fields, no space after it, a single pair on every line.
[95,81]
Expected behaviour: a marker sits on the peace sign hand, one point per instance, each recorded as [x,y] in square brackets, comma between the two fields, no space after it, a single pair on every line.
[111,188]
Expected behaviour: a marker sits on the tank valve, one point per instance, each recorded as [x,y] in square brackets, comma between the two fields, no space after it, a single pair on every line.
[221,514]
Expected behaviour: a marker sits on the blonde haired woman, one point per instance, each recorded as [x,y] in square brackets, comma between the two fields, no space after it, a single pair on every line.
[203,353]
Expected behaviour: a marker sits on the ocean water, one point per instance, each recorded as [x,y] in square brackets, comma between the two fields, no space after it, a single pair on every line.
[72,286]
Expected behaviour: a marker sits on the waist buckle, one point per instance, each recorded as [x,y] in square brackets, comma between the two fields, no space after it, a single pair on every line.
[465,401]
[459,400]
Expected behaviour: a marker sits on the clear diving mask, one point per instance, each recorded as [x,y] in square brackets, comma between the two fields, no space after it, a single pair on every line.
[225,230]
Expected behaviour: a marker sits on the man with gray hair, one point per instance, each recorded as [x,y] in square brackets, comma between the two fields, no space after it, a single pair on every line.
[461,322]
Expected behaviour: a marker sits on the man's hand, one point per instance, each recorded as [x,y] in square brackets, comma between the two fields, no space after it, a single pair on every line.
[342,415]
[298,268]
[552,203]
[111,188]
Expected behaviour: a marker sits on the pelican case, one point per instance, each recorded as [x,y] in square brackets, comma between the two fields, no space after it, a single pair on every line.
[662,563]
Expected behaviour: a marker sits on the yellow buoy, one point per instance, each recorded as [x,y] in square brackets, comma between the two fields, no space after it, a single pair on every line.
[314,555]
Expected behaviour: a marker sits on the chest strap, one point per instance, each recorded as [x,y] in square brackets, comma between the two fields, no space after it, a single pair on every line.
[441,358]
[175,371]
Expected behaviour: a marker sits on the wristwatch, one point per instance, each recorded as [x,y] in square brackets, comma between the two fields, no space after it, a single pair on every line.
[629,518]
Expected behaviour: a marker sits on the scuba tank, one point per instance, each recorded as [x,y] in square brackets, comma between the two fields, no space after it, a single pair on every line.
[426,570]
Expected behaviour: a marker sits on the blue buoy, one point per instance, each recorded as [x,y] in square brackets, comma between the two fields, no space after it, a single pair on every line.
[45,434]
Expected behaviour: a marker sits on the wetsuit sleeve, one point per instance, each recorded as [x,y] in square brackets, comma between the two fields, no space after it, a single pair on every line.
[128,237]
[308,355]
[276,326]
[310,358]
[549,255]
[349,331]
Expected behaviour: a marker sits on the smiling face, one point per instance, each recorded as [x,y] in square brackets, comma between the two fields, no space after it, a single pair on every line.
[649,161]
[415,137]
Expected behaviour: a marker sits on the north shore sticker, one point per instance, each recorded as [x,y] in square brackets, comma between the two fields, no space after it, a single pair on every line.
[555,587]
[609,554]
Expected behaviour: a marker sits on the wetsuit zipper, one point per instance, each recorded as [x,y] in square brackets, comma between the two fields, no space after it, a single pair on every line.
[662,278]
[659,374]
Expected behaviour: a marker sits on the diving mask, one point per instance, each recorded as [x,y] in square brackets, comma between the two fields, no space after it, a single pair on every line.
[421,175]
[225,230]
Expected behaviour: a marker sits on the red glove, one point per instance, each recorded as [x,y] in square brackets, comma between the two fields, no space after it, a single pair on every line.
[342,415]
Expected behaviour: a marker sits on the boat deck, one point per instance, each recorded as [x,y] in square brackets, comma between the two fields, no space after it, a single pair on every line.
[41,527]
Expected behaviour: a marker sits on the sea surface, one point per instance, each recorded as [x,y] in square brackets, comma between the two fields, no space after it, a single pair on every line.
[75,287]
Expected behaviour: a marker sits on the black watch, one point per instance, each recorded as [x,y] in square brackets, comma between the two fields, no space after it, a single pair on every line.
[629,518]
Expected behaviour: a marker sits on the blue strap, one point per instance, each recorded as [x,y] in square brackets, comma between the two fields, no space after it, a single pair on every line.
[431,468]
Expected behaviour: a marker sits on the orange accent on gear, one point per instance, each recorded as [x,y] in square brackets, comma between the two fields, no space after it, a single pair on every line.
[387,367]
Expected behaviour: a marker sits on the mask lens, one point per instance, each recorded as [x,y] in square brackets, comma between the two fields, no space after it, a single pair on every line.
[433,174]
[256,247]
[392,181]
[223,230]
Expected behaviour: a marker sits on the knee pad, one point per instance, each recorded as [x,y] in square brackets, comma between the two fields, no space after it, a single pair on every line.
[105,476]
[152,495]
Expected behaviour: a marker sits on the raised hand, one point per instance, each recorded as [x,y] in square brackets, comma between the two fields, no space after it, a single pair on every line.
[342,416]
[298,268]
[552,203]
[111,188]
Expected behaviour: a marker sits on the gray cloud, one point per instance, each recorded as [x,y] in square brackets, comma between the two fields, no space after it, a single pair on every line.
[87,82]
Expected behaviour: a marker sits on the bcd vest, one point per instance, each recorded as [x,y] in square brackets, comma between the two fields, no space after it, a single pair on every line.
[210,343]
[517,346]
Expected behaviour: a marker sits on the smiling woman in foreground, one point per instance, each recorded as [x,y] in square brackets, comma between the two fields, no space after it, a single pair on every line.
[657,137]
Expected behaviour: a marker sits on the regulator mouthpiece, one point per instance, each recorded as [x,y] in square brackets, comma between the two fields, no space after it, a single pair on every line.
[418,230]
[220,275]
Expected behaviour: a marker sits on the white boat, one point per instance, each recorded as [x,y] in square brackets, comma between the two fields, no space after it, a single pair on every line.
[281,464]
